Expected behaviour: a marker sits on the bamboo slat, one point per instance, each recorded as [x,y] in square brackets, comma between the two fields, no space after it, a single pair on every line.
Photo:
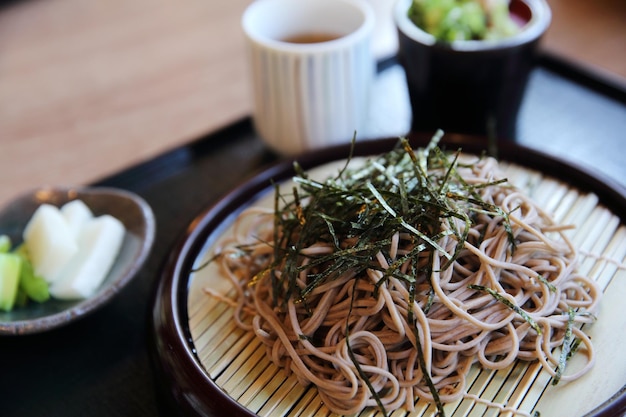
[237,361]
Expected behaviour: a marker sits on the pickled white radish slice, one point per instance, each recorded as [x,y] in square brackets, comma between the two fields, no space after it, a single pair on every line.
[99,243]
[76,214]
[49,242]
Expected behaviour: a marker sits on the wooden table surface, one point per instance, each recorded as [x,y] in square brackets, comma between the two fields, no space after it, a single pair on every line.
[88,87]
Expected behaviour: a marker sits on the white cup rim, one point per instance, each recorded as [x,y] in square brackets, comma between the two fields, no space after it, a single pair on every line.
[363,30]
[534,29]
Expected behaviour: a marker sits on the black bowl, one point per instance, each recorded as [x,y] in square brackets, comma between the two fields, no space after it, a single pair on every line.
[473,87]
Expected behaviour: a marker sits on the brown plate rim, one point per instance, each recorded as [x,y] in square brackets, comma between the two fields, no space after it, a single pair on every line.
[180,374]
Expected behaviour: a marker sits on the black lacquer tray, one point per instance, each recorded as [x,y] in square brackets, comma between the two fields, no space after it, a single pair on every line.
[102,366]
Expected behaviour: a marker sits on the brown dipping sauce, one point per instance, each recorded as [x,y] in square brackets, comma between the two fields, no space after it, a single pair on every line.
[311,37]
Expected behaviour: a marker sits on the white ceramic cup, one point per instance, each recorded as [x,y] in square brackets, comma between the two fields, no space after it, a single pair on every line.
[309,95]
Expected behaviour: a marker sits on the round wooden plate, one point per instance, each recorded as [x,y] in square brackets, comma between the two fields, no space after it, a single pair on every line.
[182,374]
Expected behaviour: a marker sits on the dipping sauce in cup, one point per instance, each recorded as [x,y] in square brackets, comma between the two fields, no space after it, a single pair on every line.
[312,70]
[311,38]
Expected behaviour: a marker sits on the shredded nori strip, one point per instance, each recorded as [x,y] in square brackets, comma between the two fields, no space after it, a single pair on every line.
[499,297]
[566,347]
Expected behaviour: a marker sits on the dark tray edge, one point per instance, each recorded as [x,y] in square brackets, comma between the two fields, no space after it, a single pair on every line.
[169,162]
[592,77]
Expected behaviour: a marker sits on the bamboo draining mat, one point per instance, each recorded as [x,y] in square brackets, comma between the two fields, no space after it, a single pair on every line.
[236,361]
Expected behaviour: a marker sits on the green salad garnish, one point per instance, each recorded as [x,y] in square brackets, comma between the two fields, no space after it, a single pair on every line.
[454,20]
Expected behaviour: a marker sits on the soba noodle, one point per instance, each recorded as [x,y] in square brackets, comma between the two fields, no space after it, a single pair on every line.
[493,283]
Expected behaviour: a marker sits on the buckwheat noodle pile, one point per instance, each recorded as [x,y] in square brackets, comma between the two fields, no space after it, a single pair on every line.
[388,281]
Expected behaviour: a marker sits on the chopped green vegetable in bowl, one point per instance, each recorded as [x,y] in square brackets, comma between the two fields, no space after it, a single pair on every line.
[454,20]
[18,281]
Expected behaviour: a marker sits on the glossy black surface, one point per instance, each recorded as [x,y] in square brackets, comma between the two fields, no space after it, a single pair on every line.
[100,366]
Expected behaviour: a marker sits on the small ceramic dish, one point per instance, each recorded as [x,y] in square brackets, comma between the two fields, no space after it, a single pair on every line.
[130,209]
